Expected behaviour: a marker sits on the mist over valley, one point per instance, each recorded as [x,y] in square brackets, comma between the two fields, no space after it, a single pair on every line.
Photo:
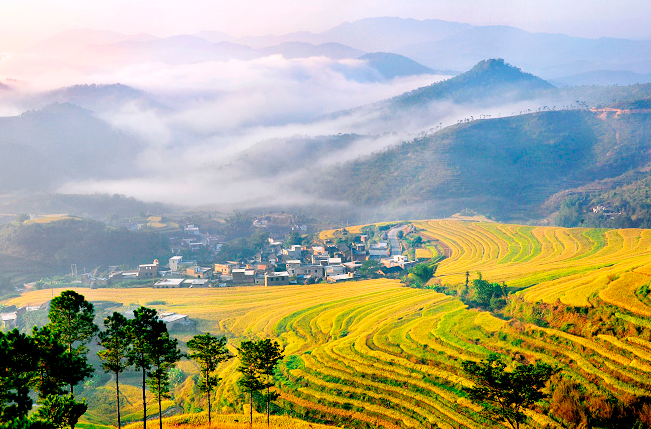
[325,214]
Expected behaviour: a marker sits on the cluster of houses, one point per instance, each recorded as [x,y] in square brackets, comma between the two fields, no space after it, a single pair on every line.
[277,265]
[193,239]
[606,211]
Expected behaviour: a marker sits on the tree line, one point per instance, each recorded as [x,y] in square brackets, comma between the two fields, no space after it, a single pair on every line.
[54,359]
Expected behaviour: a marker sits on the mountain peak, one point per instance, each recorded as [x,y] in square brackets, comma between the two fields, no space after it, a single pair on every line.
[489,79]
[394,65]
[498,68]
[493,64]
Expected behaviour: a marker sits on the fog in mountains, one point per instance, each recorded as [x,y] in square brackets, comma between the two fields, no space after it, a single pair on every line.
[210,119]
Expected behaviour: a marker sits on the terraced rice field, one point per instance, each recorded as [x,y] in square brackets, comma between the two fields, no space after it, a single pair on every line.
[377,354]
[566,264]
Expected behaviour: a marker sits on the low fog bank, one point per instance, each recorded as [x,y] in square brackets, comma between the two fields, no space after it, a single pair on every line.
[191,119]
[261,166]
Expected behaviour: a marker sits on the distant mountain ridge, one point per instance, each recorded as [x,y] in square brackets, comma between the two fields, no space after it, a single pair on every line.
[446,45]
[437,44]
[603,78]
[93,96]
[394,65]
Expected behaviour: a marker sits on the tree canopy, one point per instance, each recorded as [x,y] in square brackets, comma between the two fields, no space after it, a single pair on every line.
[503,394]
[71,321]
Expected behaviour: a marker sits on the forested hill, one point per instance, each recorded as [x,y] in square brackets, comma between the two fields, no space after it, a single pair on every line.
[503,167]
[42,149]
[31,250]
[492,78]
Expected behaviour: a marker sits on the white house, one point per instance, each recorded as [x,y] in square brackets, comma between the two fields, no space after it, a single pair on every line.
[175,262]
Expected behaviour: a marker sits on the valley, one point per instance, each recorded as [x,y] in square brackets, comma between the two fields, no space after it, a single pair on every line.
[574,302]
[399,215]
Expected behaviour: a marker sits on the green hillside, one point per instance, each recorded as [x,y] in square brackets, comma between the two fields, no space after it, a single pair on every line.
[45,148]
[504,167]
[29,251]
[624,206]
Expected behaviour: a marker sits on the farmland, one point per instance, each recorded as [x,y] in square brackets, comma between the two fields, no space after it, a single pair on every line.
[549,263]
[377,354]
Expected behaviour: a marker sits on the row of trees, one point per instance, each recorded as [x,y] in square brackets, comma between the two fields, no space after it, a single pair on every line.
[55,357]
[144,344]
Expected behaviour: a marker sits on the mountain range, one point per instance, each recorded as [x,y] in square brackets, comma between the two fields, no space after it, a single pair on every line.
[509,167]
[436,44]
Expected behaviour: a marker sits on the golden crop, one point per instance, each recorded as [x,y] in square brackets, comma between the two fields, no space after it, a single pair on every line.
[389,356]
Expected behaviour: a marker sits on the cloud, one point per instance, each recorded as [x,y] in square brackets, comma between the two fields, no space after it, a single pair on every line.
[216,110]
[198,152]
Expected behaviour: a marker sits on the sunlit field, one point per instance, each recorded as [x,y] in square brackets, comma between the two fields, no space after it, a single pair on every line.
[566,264]
[377,354]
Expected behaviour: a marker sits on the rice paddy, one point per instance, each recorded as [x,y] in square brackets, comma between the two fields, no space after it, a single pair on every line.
[377,354]
[549,263]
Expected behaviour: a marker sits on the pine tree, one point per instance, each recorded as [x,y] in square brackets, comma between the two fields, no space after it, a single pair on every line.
[117,346]
[249,367]
[269,354]
[141,329]
[71,321]
[258,359]
[63,411]
[18,363]
[163,354]
[209,351]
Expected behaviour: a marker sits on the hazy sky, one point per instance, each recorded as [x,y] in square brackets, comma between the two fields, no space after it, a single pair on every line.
[23,22]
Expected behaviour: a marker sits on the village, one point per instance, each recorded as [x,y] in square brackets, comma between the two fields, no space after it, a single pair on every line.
[343,257]
[276,264]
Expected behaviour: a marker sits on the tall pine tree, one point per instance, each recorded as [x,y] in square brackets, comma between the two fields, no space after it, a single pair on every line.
[208,351]
[268,354]
[71,321]
[117,346]
[18,364]
[163,354]
[141,330]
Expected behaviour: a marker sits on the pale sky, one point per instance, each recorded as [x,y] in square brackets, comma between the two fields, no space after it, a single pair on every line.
[23,22]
